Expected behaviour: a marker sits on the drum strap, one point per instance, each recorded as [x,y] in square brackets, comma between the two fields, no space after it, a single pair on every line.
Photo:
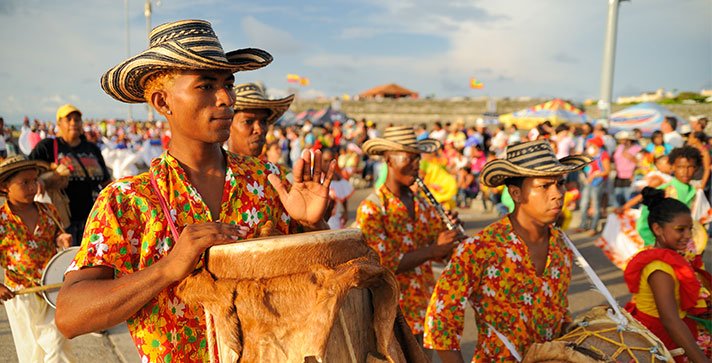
[164,206]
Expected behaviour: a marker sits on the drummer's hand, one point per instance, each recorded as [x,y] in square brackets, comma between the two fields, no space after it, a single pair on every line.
[306,201]
[64,240]
[193,241]
[5,293]
[445,243]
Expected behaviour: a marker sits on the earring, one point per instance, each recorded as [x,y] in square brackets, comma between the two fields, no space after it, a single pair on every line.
[169,112]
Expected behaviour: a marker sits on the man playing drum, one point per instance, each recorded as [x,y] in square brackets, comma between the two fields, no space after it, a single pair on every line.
[30,233]
[516,272]
[147,233]
[402,228]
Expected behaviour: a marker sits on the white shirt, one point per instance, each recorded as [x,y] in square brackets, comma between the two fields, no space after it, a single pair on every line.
[673,139]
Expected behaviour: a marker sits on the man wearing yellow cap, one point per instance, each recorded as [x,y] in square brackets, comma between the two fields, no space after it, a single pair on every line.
[87,173]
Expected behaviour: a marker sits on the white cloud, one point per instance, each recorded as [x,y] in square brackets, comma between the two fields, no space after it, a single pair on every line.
[264,36]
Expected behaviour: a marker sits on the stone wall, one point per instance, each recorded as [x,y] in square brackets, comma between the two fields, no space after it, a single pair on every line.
[409,111]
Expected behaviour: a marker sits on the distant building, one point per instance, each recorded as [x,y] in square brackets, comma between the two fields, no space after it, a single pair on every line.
[389,91]
[655,96]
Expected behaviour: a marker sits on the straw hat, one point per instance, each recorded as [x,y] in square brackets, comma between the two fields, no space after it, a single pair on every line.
[18,163]
[400,138]
[181,45]
[252,96]
[530,159]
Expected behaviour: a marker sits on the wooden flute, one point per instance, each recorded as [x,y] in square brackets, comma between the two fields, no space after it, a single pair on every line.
[439,208]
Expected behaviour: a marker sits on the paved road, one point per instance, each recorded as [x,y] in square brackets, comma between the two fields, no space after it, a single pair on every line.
[116,345]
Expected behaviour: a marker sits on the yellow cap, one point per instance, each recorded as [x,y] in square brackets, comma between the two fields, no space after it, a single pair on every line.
[65,110]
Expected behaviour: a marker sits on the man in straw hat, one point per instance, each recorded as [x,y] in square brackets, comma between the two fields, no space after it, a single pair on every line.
[402,228]
[254,112]
[147,233]
[516,272]
[30,234]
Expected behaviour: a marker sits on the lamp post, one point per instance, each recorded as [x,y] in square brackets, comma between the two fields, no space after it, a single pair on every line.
[609,55]
[147,12]
[128,46]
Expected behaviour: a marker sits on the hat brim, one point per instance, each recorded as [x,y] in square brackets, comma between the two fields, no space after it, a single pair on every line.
[378,146]
[276,107]
[497,171]
[125,82]
[9,170]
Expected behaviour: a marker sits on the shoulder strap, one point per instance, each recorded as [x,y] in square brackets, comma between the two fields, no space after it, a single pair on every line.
[56,151]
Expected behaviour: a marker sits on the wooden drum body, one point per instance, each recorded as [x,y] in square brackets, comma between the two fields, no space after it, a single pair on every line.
[320,296]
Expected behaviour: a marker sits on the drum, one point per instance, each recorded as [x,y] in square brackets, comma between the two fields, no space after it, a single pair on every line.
[319,296]
[596,337]
[54,273]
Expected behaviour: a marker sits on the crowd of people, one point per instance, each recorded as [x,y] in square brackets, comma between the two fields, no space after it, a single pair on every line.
[221,166]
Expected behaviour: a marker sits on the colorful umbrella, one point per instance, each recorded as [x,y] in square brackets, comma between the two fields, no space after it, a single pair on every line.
[556,111]
[644,116]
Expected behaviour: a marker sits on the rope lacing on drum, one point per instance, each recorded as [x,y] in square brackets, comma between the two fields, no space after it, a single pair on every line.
[656,352]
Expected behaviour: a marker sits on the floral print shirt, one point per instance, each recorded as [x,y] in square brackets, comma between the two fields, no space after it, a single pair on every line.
[390,231]
[24,254]
[494,273]
[127,231]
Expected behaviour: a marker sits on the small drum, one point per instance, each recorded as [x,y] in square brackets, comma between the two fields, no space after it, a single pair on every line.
[54,273]
[319,296]
[595,337]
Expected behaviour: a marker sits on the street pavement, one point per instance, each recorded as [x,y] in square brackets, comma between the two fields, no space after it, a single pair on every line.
[116,344]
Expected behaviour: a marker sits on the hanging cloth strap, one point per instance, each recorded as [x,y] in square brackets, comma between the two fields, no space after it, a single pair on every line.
[164,207]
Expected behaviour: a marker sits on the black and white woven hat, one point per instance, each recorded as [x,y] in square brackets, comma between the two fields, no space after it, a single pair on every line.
[181,45]
[400,138]
[530,159]
[251,96]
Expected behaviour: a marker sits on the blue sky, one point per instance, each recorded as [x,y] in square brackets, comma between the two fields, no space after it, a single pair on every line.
[55,51]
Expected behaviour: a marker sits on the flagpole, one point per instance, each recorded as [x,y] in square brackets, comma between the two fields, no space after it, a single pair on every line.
[609,55]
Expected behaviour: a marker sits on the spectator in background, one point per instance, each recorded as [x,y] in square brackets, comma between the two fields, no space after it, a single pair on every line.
[625,160]
[340,191]
[438,133]
[456,136]
[514,136]
[87,170]
[564,142]
[3,139]
[670,135]
[586,133]
[698,140]
[596,176]
[657,146]
[698,123]
[421,132]
[481,128]
[372,130]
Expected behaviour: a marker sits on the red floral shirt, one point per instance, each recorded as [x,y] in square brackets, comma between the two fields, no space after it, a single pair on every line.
[493,272]
[24,255]
[390,231]
[127,231]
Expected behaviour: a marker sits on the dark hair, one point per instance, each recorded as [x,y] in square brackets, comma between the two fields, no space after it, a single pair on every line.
[672,121]
[562,127]
[686,152]
[700,136]
[512,125]
[514,181]
[662,209]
